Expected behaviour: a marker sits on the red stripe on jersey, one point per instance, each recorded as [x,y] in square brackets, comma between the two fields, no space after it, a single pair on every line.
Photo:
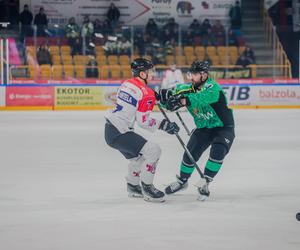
[148,99]
[146,104]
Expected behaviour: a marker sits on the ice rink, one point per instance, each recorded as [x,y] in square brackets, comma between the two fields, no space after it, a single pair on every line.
[63,188]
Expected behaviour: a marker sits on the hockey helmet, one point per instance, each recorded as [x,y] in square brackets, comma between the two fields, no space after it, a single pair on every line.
[199,66]
[140,64]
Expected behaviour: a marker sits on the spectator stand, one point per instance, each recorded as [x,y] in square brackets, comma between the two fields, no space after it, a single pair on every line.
[112,48]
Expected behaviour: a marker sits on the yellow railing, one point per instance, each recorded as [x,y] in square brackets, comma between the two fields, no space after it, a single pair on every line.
[67,72]
[272,37]
[33,73]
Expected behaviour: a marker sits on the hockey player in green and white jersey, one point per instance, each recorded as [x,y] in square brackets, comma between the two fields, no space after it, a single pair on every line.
[206,102]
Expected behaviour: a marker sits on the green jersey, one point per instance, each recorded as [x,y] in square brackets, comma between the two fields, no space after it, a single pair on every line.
[208,106]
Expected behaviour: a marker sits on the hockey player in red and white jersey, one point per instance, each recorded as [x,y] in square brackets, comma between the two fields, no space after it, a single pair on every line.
[135,102]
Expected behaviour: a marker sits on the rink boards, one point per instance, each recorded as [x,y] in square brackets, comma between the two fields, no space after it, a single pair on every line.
[102,96]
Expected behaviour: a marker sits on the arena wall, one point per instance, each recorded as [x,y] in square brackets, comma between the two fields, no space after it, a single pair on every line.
[102,95]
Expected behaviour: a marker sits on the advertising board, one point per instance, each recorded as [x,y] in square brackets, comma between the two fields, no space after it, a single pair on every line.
[29,96]
[78,96]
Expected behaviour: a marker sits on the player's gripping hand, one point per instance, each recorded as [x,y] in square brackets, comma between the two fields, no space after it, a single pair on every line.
[169,127]
[175,102]
[164,95]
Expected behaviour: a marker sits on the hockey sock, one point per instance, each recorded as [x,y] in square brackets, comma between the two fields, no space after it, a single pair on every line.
[216,156]
[212,168]
[151,153]
[186,171]
[134,170]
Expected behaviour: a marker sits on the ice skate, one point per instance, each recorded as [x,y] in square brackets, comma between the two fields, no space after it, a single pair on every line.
[152,194]
[202,187]
[134,191]
[179,184]
[203,192]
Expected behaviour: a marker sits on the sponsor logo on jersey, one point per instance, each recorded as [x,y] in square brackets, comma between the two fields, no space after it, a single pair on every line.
[127,98]
[205,116]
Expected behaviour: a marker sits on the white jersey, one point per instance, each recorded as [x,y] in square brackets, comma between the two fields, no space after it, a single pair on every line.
[172,78]
[135,101]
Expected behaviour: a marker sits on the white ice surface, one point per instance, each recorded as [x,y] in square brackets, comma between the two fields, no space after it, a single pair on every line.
[63,188]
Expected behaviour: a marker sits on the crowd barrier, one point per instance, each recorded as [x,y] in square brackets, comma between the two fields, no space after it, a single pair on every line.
[101,95]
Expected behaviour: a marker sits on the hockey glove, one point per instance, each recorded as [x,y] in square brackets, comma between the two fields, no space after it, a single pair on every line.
[157,96]
[175,102]
[169,127]
[164,95]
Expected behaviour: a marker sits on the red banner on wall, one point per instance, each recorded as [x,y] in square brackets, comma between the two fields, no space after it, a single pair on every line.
[29,96]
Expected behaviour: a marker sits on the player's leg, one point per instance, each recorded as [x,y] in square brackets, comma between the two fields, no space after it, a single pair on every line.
[220,146]
[132,145]
[129,144]
[151,153]
[198,143]
[133,177]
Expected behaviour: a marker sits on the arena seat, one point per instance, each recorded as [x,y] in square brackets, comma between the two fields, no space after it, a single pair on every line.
[124,60]
[199,50]
[56,59]
[46,71]
[57,72]
[67,59]
[104,72]
[211,51]
[180,60]
[113,60]
[126,71]
[170,59]
[54,50]
[188,50]
[68,71]
[215,59]
[80,59]
[115,71]
[101,60]
[190,59]
[65,50]
[80,71]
